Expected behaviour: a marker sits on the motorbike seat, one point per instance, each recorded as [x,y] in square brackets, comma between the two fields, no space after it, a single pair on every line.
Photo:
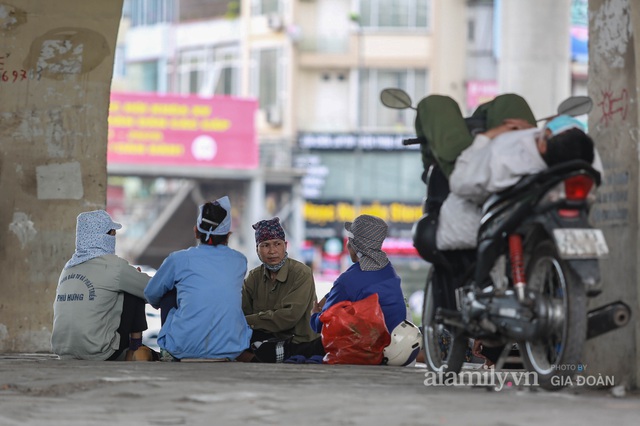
[545,179]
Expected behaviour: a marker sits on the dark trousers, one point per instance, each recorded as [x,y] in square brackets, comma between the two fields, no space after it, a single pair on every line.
[169,301]
[132,320]
[306,349]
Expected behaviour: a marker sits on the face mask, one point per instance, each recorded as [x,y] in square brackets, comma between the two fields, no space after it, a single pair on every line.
[562,123]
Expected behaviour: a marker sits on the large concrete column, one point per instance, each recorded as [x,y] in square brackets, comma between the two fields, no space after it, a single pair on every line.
[253,213]
[56,60]
[449,24]
[534,52]
[613,84]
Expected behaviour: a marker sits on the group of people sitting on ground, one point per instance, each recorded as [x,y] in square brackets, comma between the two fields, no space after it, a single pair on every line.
[212,309]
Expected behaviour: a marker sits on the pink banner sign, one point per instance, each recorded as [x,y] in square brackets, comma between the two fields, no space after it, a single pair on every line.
[173,130]
[479,92]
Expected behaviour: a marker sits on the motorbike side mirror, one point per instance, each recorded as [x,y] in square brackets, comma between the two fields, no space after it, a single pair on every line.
[573,106]
[576,105]
[395,98]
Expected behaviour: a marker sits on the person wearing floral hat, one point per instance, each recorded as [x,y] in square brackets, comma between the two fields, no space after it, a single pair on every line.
[98,312]
[277,298]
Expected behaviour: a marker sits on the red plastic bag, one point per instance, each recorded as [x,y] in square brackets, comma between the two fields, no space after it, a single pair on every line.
[354,332]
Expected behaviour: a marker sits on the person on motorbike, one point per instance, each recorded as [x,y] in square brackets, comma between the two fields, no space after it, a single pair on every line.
[477,165]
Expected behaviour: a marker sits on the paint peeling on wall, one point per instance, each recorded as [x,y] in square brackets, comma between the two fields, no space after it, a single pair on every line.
[61,128]
[67,51]
[60,181]
[23,228]
[612,22]
[11,17]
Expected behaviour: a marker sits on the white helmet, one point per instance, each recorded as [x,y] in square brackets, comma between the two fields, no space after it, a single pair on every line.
[406,342]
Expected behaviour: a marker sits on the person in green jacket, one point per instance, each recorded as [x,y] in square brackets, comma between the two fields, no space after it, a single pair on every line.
[277,299]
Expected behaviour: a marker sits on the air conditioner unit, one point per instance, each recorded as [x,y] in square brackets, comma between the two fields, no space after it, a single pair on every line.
[273,116]
[274,21]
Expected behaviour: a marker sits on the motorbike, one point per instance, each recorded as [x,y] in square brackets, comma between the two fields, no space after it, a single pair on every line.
[526,283]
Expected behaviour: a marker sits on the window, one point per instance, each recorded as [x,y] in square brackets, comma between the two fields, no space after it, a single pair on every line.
[267,77]
[143,75]
[150,12]
[394,13]
[265,7]
[376,116]
[209,71]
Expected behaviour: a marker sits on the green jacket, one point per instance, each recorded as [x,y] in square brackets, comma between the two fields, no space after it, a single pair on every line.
[281,306]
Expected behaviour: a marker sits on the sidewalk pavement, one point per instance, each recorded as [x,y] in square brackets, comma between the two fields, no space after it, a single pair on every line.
[39,389]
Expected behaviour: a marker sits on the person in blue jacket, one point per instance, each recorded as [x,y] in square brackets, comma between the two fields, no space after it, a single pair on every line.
[372,272]
[199,293]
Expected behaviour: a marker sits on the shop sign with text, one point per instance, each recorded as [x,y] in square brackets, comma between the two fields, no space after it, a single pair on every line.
[326,219]
[172,130]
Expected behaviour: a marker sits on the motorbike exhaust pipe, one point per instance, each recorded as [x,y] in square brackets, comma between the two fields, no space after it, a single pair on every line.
[607,318]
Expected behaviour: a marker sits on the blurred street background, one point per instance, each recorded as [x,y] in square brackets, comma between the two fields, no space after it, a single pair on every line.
[286,94]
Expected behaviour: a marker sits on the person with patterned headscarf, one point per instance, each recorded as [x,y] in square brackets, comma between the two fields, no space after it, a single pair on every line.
[277,298]
[98,313]
[198,291]
[370,273]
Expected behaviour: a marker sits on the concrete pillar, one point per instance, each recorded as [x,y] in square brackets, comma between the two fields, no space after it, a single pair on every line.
[449,22]
[613,124]
[253,213]
[56,61]
[297,221]
[534,52]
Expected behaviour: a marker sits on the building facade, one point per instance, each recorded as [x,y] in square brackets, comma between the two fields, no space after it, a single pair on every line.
[329,149]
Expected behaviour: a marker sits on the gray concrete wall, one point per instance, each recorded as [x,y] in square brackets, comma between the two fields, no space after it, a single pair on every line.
[613,77]
[56,60]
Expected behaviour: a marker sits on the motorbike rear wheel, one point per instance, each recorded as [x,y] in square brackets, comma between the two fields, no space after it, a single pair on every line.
[555,357]
[444,346]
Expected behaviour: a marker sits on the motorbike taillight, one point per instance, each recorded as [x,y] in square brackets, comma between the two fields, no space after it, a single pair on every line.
[577,188]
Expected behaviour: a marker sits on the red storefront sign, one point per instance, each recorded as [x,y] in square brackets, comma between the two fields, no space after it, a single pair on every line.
[172,130]
[479,92]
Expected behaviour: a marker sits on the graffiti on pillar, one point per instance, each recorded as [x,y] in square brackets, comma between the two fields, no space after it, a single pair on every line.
[14,75]
[613,105]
